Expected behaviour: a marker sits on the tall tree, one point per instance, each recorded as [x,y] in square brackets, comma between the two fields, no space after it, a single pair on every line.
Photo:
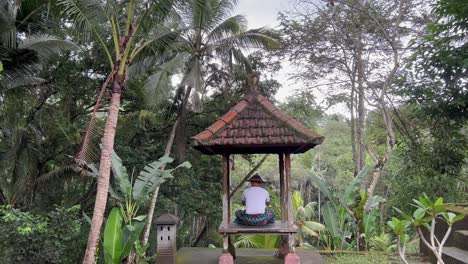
[208,33]
[355,49]
[130,28]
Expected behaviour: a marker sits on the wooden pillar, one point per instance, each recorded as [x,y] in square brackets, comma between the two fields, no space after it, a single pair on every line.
[226,190]
[289,204]
[283,193]
[226,200]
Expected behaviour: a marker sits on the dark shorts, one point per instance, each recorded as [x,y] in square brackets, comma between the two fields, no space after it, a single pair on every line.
[255,220]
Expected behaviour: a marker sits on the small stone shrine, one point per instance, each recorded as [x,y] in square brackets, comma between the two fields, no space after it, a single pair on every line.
[166,239]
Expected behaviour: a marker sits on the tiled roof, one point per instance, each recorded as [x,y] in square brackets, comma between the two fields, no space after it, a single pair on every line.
[255,125]
[167,219]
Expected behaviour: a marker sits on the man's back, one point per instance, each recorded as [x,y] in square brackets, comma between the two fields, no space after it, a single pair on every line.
[255,200]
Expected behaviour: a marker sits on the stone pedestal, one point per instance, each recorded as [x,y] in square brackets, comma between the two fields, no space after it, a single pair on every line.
[292,258]
[226,258]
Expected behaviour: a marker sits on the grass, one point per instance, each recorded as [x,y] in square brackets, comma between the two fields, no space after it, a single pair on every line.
[369,258]
[362,259]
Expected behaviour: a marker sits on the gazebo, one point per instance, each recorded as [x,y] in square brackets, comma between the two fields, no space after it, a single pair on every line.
[255,126]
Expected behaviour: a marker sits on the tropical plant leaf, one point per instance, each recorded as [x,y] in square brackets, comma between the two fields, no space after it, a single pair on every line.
[297,200]
[113,237]
[314,226]
[331,220]
[353,187]
[61,173]
[231,26]
[46,45]
[120,175]
[157,86]
[258,241]
[130,234]
[152,176]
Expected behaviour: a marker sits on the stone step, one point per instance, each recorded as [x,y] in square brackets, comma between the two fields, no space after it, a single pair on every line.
[453,255]
[460,239]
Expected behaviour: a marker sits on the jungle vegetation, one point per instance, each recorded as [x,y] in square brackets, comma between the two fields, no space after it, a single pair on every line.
[99,99]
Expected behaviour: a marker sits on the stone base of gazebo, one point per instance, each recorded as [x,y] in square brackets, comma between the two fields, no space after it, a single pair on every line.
[190,255]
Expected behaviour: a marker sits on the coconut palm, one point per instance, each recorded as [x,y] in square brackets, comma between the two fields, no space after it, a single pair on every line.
[125,32]
[23,43]
[23,47]
[207,32]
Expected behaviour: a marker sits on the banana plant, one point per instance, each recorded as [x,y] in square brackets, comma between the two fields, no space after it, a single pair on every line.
[151,177]
[340,214]
[302,218]
[123,226]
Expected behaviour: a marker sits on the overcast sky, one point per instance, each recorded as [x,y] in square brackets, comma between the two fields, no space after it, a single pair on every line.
[260,13]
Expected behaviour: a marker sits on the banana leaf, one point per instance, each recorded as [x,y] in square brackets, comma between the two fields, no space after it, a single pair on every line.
[113,237]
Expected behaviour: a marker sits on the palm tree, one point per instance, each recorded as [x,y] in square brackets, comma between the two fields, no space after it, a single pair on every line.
[24,43]
[124,32]
[24,46]
[207,32]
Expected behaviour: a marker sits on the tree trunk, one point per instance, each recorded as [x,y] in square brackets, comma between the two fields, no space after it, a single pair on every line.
[361,111]
[104,171]
[354,147]
[154,198]
[167,151]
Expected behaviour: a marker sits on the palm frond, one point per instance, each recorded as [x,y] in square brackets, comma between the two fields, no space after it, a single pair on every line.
[85,16]
[197,77]
[254,38]
[144,64]
[157,86]
[229,27]
[46,45]
[158,40]
[245,241]
[64,172]
[89,150]
[8,34]
[220,10]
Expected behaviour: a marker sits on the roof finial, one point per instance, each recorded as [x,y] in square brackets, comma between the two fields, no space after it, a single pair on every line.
[252,82]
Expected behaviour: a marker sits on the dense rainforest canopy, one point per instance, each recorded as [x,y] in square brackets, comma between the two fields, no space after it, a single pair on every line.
[95,94]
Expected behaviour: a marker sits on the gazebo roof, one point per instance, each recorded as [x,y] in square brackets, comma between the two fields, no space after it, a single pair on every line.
[255,125]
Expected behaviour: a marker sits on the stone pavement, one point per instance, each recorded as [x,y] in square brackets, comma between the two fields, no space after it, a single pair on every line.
[201,255]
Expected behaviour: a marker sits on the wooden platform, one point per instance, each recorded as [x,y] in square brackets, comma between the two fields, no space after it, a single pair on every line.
[244,256]
[275,228]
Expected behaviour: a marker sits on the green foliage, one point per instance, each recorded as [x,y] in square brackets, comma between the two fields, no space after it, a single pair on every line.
[55,237]
[337,219]
[361,259]
[258,241]
[426,215]
[113,243]
[382,242]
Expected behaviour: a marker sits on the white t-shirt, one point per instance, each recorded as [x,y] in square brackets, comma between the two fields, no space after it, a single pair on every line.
[255,199]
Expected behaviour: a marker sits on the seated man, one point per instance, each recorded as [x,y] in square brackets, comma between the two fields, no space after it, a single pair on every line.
[255,198]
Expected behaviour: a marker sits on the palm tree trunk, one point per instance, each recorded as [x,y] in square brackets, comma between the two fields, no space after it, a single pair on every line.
[104,171]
